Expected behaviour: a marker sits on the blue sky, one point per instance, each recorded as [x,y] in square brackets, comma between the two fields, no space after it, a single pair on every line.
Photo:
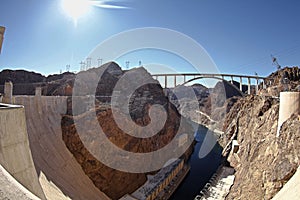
[238,35]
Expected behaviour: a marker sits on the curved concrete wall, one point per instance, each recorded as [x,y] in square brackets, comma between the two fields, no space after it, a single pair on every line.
[15,154]
[59,173]
[12,189]
[290,190]
[289,104]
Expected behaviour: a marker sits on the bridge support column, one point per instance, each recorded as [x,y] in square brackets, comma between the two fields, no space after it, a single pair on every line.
[257,86]
[241,84]
[175,81]
[249,86]
[184,78]
[264,84]
[232,79]
[166,81]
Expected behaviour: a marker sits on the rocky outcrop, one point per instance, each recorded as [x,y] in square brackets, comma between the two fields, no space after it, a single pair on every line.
[286,79]
[112,182]
[291,73]
[25,82]
[61,84]
[206,106]
[263,162]
[20,76]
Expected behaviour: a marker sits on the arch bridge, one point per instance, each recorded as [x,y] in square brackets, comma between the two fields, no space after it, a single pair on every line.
[182,79]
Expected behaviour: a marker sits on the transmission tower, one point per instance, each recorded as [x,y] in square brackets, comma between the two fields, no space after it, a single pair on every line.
[275,62]
[82,66]
[127,64]
[99,62]
[88,63]
[68,68]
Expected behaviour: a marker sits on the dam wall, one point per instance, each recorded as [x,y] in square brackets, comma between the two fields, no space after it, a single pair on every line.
[12,189]
[15,154]
[291,189]
[60,175]
[33,153]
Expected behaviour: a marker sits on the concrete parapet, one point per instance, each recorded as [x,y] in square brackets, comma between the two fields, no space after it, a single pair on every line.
[289,104]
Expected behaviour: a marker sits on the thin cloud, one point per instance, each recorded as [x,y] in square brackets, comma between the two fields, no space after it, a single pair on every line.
[107,5]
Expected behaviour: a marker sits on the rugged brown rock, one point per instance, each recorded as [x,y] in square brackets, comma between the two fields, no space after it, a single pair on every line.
[111,181]
[263,163]
[283,80]
[213,104]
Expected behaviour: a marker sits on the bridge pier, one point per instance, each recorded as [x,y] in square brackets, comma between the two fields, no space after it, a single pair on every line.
[241,84]
[249,85]
[175,81]
[257,86]
[166,81]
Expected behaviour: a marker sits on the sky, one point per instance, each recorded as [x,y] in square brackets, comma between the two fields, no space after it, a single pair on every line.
[239,36]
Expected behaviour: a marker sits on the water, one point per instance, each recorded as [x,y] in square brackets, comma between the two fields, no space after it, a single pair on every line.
[201,169]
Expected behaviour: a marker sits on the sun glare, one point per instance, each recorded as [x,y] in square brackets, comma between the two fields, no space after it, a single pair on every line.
[75,8]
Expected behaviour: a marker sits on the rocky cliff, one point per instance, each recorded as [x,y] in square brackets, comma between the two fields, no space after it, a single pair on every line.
[263,162]
[206,106]
[113,182]
[101,83]
[25,82]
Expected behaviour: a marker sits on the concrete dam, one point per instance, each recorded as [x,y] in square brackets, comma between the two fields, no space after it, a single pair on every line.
[33,152]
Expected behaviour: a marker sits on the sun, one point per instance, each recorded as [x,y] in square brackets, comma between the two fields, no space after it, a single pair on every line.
[75,8]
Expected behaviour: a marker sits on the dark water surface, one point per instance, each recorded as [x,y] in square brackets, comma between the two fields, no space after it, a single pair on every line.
[201,168]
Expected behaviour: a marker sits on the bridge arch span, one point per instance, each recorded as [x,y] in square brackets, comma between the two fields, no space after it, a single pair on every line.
[214,77]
